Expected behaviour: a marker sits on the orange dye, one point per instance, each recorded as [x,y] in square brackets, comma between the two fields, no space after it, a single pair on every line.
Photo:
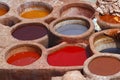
[110,18]
[35,14]
[23,58]
[3,11]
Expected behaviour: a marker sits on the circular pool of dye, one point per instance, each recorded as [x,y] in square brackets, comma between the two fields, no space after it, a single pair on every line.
[72,27]
[111,50]
[23,58]
[33,10]
[110,18]
[3,9]
[22,54]
[73,9]
[104,66]
[30,31]
[35,14]
[102,43]
[68,56]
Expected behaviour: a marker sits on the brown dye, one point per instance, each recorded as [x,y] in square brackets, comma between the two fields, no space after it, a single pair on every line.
[104,66]
[78,11]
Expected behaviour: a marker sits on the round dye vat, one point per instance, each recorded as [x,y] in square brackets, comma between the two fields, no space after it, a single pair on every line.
[23,58]
[78,11]
[110,18]
[29,31]
[33,10]
[3,11]
[111,50]
[104,66]
[32,14]
[68,56]
[72,29]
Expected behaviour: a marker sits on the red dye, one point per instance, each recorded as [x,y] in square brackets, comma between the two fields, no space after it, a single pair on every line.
[68,56]
[23,58]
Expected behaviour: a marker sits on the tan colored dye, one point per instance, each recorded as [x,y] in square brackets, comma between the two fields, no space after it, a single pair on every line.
[104,66]
[32,14]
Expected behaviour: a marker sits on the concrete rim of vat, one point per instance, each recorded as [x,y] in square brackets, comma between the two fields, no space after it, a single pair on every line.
[92,75]
[34,4]
[105,25]
[78,4]
[43,40]
[86,20]
[22,46]
[10,21]
[98,39]
[5,6]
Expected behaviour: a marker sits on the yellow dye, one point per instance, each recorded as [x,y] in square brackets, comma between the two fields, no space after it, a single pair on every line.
[35,14]
[3,11]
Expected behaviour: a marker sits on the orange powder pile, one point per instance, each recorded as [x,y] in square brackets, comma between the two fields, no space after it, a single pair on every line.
[35,14]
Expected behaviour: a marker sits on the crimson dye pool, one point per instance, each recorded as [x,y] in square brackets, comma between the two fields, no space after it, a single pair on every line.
[68,56]
[30,32]
[23,58]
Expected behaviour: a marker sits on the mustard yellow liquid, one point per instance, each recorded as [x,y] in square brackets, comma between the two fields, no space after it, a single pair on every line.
[35,14]
[3,11]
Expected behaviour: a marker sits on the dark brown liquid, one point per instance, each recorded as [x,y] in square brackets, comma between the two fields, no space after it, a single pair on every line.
[104,66]
[30,32]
